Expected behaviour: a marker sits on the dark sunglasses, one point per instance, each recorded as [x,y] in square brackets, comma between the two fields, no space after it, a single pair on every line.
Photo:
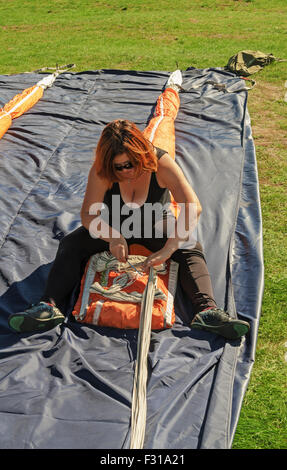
[125,166]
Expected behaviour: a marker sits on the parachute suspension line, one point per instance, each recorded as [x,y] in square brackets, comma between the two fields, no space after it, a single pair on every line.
[58,68]
[139,403]
[49,80]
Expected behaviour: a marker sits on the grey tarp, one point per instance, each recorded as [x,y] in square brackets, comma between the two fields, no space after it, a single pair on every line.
[71,387]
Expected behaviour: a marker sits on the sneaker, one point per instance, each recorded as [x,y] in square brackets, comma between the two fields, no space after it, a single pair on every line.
[40,317]
[174,80]
[217,321]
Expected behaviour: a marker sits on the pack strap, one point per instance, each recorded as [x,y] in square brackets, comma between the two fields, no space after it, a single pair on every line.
[58,69]
[223,87]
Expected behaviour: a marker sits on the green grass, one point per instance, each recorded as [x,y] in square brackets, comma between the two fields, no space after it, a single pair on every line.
[156,35]
[136,34]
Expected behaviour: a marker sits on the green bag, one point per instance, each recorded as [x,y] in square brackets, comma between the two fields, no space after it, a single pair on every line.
[247,62]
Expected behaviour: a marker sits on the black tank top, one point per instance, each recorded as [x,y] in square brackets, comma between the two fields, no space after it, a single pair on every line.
[137,222]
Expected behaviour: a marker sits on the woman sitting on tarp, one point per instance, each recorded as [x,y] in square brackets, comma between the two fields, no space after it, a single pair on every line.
[134,170]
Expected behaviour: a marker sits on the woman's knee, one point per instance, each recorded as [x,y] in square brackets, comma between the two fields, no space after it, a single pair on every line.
[186,254]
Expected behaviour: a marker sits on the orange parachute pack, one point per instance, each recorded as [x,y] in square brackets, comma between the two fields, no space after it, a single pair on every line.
[111,292]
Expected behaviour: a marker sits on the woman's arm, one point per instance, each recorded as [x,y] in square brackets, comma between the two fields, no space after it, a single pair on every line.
[90,216]
[170,175]
[95,193]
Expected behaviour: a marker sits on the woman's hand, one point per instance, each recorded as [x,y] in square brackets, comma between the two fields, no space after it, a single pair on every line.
[157,258]
[119,249]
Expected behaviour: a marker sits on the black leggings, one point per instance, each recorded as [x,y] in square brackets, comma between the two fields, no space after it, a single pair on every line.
[76,248]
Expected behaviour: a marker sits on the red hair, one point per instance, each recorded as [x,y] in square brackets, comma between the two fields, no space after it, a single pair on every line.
[123,136]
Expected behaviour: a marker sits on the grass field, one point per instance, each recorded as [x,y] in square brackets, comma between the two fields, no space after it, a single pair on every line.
[158,35]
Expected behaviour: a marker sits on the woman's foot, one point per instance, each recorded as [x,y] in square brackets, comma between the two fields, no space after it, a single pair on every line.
[217,321]
[40,317]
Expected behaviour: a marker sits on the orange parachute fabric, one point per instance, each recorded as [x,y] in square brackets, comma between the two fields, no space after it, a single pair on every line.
[160,130]
[18,106]
[97,303]
[5,122]
[22,102]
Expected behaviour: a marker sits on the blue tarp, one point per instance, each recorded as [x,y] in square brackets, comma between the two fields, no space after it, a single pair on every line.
[71,387]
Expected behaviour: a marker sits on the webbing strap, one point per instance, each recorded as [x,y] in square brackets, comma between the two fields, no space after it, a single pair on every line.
[139,404]
[58,68]
[223,87]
